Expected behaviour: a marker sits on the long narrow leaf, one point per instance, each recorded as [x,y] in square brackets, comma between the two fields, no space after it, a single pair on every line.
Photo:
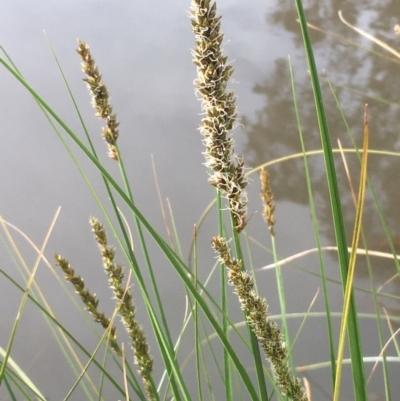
[316,233]
[338,221]
[353,257]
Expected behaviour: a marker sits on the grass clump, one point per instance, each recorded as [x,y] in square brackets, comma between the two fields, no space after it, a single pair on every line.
[227,173]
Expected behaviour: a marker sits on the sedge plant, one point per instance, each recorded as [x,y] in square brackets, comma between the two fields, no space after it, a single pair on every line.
[273,367]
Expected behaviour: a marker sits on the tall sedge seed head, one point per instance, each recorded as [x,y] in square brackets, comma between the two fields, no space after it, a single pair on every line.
[100,98]
[125,307]
[219,107]
[268,201]
[90,301]
[267,332]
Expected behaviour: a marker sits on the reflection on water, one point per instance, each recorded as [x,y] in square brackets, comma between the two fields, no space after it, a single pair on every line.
[358,77]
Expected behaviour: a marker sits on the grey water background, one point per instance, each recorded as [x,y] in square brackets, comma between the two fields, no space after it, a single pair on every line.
[143,52]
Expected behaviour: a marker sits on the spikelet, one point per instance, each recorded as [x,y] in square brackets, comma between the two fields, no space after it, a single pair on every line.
[90,301]
[219,107]
[266,331]
[100,98]
[125,307]
[268,201]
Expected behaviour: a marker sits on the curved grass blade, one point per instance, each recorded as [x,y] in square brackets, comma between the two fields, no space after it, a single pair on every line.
[20,375]
[26,292]
[65,331]
[316,233]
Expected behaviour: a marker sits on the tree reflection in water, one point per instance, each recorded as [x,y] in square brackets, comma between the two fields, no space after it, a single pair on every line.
[358,77]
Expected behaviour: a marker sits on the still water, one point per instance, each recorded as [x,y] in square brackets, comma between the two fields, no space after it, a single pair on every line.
[143,51]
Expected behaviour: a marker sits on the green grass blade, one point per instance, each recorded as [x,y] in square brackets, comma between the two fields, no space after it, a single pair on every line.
[316,233]
[197,340]
[353,329]
[224,304]
[374,293]
[282,300]
[9,389]
[353,256]
[22,376]
[153,281]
